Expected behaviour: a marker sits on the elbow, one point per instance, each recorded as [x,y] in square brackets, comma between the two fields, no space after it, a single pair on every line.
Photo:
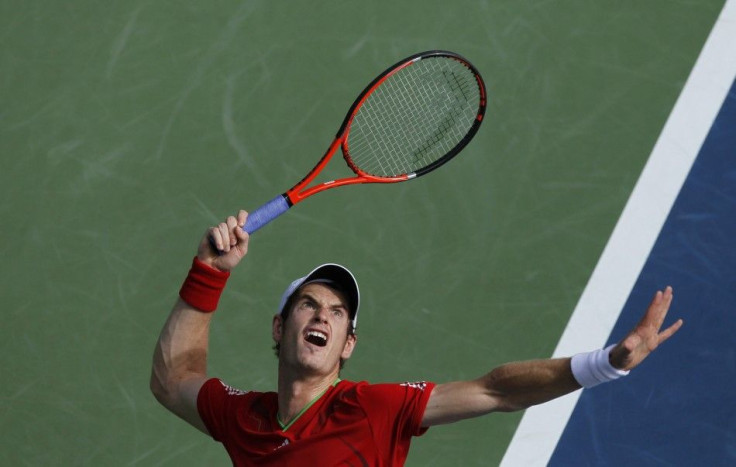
[158,389]
[506,397]
[162,389]
[171,383]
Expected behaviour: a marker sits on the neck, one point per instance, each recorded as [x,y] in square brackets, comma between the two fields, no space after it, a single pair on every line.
[297,391]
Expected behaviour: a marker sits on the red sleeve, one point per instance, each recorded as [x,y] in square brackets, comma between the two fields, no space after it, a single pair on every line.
[398,407]
[215,403]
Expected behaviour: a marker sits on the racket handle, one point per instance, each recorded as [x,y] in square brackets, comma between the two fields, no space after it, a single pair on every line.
[266,213]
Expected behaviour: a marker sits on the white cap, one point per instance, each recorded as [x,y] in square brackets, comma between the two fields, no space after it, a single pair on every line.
[329,272]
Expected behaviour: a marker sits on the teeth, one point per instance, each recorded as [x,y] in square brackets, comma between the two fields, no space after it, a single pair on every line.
[317,338]
[317,334]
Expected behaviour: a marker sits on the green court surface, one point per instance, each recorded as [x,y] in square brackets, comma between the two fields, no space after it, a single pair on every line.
[127,128]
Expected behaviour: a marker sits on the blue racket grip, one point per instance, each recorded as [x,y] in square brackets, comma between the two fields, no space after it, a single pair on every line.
[266,213]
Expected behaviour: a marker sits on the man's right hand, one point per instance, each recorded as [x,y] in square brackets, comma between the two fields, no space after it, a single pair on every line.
[230,240]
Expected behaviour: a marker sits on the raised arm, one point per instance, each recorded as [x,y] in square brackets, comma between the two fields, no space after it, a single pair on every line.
[180,358]
[518,385]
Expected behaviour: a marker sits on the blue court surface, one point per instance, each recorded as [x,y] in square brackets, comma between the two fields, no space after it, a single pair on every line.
[691,387]
[678,409]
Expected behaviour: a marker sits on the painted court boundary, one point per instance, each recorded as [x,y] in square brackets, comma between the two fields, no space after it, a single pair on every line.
[635,233]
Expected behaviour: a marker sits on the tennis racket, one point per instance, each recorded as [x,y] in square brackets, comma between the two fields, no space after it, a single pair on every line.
[414,117]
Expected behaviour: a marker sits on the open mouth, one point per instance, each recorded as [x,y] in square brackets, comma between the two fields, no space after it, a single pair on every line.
[317,338]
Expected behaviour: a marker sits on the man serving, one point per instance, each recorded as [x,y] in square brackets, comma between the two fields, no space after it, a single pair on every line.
[317,419]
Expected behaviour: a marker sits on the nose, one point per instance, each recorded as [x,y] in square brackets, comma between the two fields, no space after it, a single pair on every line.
[320,314]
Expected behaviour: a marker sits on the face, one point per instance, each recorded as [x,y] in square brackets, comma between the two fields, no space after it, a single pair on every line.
[315,336]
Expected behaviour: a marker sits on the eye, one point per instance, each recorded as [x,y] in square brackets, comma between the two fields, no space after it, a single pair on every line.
[338,312]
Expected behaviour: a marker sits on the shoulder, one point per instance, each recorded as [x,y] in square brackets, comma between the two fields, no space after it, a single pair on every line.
[226,388]
[216,391]
[364,390]
[394,387]
[222,407]
[394,405]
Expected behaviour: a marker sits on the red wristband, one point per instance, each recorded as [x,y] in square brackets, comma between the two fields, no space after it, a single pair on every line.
[203,286]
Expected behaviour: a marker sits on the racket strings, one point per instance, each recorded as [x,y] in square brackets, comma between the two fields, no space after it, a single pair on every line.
[419,114]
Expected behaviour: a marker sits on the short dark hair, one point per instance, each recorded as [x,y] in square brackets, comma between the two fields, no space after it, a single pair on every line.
[286,311]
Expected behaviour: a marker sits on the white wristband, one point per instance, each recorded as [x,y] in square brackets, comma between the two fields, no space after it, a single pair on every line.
[593,368]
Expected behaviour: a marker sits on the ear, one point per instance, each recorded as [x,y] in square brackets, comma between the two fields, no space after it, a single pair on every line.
[277,328]
[350,343]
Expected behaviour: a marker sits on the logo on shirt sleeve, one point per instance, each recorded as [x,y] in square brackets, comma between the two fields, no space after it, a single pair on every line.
[231,391]
[420,385]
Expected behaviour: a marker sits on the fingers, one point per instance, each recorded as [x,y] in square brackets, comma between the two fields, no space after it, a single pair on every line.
[670,331]
[215,237]
[220,235]
[242,240]
[232,226]
[240,231]
[658,308]
[658,312]
[229,233]
[667,298]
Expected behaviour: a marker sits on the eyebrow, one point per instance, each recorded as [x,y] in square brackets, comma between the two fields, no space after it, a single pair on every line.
[307,296]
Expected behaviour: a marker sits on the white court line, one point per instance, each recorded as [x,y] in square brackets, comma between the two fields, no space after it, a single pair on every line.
[635,233]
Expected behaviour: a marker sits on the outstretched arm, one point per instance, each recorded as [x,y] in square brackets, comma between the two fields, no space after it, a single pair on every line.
[180,358]
[518,385]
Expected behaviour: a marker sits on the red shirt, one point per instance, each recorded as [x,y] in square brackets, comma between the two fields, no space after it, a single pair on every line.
[350,424]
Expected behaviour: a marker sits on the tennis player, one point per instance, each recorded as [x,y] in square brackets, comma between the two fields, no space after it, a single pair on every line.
[317,419]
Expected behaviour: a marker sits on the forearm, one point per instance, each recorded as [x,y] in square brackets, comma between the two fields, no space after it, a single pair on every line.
[518,385]
[181,351]
[510,387]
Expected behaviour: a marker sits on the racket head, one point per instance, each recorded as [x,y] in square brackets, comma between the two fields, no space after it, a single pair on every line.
[414,117]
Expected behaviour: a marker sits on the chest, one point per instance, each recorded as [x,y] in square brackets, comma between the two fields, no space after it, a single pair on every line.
[334,432]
